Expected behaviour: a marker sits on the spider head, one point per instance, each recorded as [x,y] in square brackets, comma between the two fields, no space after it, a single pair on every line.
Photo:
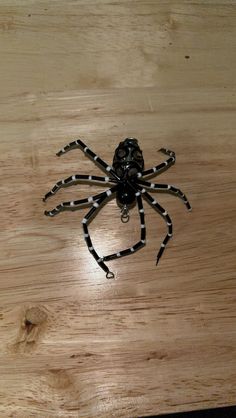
[128,159]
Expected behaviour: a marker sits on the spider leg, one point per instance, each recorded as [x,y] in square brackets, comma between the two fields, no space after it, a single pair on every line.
[73,180]
[77,203]
[167,188]
[79,144]
[160,167]
[140,243]
[165,215]
[93,211]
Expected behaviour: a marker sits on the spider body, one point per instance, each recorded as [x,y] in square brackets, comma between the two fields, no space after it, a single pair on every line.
[125,195]
[128,174]
[127,162]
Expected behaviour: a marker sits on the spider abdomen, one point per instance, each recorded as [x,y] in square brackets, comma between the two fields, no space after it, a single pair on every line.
[125,194]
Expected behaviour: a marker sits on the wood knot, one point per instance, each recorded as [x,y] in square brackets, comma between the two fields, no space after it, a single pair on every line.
[32,326]
[153,355]
[35,316]
[59,379]
[171,24]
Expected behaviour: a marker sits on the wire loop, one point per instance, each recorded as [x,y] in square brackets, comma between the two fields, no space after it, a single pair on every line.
[124,214]
[110,275]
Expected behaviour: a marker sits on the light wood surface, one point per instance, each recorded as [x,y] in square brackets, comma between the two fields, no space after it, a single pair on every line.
[155,339]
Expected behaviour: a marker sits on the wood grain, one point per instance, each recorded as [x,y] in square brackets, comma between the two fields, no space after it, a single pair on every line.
[79,44]
[155,339]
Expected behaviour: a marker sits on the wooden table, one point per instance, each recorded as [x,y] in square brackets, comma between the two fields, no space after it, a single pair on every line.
[155,339]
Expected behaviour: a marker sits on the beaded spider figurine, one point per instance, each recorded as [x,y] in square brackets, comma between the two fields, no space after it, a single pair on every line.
[126,173]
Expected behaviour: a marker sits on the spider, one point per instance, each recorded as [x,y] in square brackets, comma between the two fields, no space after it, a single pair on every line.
[127,173]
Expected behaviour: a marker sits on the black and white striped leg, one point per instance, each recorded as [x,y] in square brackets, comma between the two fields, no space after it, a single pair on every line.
[69,181]
[79,144]
[166,188]
[165,215]
[73,205]
[140,243]
[85,221]
[168,163]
